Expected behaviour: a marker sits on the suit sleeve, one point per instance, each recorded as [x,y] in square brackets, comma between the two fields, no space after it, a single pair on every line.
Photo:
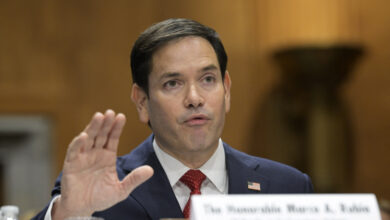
[55,193]
[308,184]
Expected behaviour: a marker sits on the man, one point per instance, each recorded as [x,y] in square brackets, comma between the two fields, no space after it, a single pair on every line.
[182,90]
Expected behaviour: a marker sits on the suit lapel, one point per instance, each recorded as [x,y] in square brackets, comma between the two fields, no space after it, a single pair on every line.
[156,194]
[241,171]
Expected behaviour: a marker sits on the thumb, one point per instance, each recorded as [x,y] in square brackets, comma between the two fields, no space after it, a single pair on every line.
[136,177]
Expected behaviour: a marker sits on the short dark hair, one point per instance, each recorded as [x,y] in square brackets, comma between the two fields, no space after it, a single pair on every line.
[159,34]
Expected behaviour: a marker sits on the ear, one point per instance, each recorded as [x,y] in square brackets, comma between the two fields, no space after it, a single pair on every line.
[227,83]
[140,99]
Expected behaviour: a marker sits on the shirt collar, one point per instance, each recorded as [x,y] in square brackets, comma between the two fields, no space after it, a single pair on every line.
[214,168]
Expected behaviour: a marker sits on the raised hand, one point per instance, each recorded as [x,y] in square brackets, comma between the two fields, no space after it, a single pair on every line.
[89,181]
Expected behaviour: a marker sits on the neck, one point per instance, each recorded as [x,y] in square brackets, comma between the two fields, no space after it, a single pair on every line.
[191,159]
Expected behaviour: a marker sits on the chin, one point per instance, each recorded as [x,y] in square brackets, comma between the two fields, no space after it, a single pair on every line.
[199,147]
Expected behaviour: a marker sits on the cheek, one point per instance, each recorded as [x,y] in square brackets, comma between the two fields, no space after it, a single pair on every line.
[162,111]
[218,102]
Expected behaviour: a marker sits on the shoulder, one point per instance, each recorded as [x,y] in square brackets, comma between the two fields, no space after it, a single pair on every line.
[280,176]
[141,155]
[258,162]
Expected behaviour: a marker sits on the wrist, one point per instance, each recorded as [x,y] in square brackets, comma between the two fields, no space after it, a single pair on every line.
[61,212]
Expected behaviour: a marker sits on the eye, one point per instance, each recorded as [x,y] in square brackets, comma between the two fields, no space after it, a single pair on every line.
[209,79]
[171,84]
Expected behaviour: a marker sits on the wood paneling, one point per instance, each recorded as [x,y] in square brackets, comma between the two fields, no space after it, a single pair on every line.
[368,94]
[303,22]
[68,59]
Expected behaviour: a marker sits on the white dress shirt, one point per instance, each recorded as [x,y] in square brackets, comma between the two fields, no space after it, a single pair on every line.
[214,169]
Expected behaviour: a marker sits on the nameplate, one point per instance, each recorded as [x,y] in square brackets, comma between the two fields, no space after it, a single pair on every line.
[285,207]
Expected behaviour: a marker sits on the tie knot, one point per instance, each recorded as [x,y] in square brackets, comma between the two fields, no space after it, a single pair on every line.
[193,179]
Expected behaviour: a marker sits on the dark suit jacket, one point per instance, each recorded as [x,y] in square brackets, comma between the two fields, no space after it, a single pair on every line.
[155,199]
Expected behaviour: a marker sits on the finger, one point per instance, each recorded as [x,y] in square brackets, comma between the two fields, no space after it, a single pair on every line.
[101,138]
[93,128]
[116,131]
[135,178]
[76,146]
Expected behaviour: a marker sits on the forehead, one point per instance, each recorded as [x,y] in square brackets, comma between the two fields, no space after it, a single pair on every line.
[184,54]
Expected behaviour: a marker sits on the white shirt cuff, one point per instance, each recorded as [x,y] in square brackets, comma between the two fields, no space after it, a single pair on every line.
[48,212]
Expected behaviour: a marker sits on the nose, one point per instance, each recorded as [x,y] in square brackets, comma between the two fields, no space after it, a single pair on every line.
[193,98]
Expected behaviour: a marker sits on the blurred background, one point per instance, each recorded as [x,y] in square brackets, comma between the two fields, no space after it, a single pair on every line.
[310,84]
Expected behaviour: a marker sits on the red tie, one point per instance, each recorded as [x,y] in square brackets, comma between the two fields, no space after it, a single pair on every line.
[193,179]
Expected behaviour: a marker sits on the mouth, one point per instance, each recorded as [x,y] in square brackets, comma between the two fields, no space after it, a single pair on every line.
[197,120]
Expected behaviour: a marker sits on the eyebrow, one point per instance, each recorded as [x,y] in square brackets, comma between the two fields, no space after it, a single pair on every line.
[210,67]
[169,75]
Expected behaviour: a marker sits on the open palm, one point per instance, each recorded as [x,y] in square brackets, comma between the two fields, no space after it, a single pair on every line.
[90,182]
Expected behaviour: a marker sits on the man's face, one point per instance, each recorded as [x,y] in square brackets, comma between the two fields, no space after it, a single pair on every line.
[188,98]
